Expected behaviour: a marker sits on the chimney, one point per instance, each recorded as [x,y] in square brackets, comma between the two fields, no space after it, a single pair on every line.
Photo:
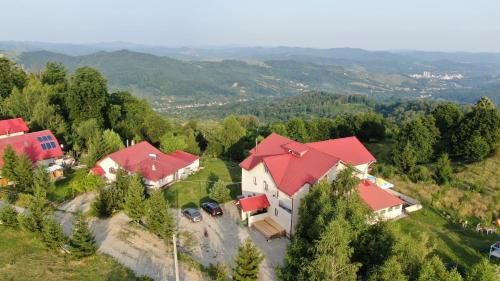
[152,156]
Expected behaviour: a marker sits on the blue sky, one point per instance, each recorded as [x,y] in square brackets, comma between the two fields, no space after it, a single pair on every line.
[446,25]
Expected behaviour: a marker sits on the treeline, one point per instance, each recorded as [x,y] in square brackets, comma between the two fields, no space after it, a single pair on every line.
[83,115]
[335,241]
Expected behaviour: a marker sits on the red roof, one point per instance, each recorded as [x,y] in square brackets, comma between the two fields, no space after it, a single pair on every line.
[37,146]
[350,150]
[150,162]
[12,126]
[254,203]
[293,164]
[375,197]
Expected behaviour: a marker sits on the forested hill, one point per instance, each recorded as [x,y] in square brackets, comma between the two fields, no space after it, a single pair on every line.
[227,80]
[173,85]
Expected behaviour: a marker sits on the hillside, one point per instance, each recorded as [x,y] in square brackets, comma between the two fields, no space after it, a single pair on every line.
[207,81]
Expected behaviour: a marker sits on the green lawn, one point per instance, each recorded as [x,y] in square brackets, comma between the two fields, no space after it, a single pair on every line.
[24,258]
[194,190]
[62,191]
[454,244]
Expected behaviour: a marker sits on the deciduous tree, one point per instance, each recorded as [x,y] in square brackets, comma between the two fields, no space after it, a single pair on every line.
[219,192]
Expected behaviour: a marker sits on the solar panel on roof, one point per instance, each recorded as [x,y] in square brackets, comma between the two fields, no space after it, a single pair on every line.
[52,144]
[44,146]
[49,137]
[40,139]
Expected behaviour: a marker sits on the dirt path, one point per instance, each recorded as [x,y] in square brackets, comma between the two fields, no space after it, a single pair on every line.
[130,245]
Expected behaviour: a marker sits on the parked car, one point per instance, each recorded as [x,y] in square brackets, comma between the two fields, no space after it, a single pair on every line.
[212,208]
[192,214]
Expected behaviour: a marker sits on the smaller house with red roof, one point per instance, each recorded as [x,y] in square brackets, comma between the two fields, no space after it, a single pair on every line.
[41,147]
[383,204]
[12,127]
[158,169]
[282,171]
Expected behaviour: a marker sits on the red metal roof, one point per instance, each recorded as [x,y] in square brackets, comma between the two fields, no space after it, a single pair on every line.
[37,146]
[350,150]
[150,162]
[254,203]
[12,126]
[293,164]
[375,197]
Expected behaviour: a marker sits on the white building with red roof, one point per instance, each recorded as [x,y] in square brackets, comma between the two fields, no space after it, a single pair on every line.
[12,127]
[283,170]
[41,147]
[157,168]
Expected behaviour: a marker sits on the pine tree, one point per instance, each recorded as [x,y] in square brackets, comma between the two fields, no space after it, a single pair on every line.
[444,170]
[247,262]
[219,192]
[9,163]
[332,255]
[52,234]
[482,271]
[24,174]
[82,241]
[42,180]
[37,210]
[8,216]
[158,217]
[134,200]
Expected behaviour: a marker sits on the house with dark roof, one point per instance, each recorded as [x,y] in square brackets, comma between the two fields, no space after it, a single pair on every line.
[283,171]
[12,127]
[158,169]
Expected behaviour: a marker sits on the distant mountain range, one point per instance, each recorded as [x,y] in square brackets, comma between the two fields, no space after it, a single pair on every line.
[175,78]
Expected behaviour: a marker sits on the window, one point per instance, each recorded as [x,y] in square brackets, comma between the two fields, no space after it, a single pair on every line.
[277,194]
[254,180]
[266,188]
[265,169]
[275,212]
[112,170]
[284,206]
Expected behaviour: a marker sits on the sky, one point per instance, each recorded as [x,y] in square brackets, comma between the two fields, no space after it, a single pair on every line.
[439,25]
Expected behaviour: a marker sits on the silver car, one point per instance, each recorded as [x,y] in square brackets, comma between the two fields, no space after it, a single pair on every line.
[192,214]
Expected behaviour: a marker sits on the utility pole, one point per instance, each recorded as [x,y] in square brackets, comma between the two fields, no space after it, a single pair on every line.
[176,264]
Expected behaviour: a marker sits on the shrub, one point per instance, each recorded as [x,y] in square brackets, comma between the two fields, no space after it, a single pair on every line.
[84,183]
[219,192]
[82,241]
[385,171]
[8,216]
[420,174]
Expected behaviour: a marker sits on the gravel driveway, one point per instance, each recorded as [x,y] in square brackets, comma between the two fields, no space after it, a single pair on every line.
[131,245]
[224,237]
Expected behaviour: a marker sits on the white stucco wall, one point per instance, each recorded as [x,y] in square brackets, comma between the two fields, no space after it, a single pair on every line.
[106,164]
[390,213]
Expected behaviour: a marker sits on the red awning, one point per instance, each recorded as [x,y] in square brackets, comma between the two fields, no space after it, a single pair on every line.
[254,203]
[97,170]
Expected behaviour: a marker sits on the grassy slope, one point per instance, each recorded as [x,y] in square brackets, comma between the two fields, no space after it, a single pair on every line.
[194,190]
[456,245]
[24,257]
[459,247]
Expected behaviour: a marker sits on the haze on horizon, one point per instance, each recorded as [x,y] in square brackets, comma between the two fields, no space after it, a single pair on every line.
[445,25]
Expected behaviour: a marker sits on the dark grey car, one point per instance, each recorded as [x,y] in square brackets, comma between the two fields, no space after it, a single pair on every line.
[192,214]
